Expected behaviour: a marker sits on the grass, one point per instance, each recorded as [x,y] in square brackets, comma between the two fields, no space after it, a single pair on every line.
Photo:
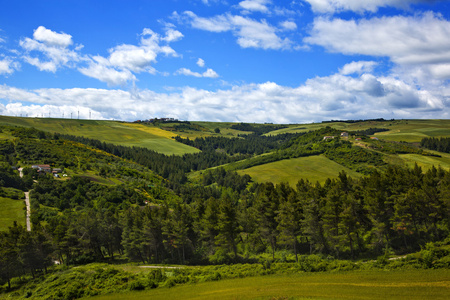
[118,133]
[11,210]
[399,130]
[314,168]
[405,284]
[426,162]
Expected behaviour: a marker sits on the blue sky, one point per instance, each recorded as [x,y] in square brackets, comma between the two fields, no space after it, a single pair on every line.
[287,61]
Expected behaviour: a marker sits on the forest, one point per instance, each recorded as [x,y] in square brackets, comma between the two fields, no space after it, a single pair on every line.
[135,204]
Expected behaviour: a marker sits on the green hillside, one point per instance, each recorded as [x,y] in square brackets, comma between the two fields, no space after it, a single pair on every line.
[114,204]
[312,168]
[114,132]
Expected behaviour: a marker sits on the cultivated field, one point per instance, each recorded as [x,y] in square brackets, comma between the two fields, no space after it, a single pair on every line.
[406,284]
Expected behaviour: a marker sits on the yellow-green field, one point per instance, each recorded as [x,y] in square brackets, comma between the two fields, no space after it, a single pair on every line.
[119,133]
[399,130]
[426,162]
[406,284]
[314,168]
[11,210]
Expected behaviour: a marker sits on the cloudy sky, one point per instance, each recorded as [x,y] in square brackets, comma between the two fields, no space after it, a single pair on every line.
[290,61]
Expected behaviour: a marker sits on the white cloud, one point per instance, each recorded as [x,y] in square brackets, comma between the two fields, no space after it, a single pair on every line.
[172,35]
[337,96]
[288,25]
[219,23]
[126,59]
[52,38]
[422,39]
[101,69]
[358,67]
[250,33]
[51,49]
[200,63]
[209,73]
[187,72]
[8,66]
[360,6]
[255,5]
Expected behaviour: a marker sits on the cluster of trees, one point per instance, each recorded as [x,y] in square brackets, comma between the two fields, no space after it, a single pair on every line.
[256,128]
[251,144]
[401,209]
[370,131]
[437,144]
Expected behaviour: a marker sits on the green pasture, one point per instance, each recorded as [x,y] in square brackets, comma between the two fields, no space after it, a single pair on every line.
[314,168]
[114,132]
[399,130]
[405,284]
[11,210]
[426,162]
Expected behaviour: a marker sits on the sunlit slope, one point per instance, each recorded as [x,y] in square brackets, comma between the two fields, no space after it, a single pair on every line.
[426,162]
[11,210]
[119,133]
[405,284]
[399,130]
[313,168]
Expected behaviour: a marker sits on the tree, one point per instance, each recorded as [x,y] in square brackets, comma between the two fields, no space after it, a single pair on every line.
[289,222]
[227,226]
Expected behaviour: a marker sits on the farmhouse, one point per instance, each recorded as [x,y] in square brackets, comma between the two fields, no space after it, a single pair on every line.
[344,134]
[42,168]
[328,138]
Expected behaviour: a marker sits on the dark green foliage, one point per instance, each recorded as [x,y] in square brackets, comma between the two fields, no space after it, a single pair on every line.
[251,144]
[441,144]
[370,131]
[257,129]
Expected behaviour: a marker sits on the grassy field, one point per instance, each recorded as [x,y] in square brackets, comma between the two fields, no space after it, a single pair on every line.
[406,284]
[119,133]
[11,210]
[314,168]
[399,130]
[426,162]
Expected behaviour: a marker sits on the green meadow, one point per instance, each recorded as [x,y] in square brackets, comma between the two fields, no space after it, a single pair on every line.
[399,130]
[11,210]
[426,162]
[119,133]
[405,284]
[313,168]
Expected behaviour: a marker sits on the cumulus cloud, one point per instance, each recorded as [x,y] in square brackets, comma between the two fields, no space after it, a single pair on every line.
[250,33]
[421,39]
[210,73]
[52,38]
[333,6]
[200,63]
[337,96]
[126,59]
[8,66]
[358,67]
[48,50]
[255,5]
[288,25]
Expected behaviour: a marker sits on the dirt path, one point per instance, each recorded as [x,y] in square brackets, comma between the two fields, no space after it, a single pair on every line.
[27,203]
